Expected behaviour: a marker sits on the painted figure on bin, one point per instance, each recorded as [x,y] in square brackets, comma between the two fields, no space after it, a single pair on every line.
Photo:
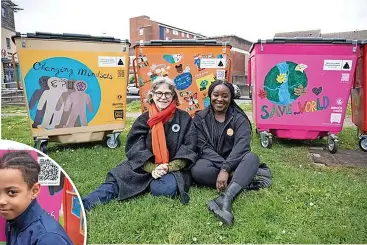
[36,97]
[197,62]
[59,108]
[225,160]
[160,150]
[77,102]
[27,223]
[61,104]
[49,99]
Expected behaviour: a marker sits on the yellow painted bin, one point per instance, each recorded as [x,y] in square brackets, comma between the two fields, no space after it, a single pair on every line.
[75,86]
[192,64]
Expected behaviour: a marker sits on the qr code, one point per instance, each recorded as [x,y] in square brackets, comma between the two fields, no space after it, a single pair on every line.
[50,172]
[345,77]
[221,74]
[120,73]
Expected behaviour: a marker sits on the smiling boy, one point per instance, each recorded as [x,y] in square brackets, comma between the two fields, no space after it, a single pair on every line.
[27,223]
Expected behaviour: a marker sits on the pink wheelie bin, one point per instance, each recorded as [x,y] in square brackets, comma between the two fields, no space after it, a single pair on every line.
[359,97]
[301,87]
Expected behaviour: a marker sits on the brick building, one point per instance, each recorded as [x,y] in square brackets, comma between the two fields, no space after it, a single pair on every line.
[353,35]
[239,56]
[142,28]
[7,46]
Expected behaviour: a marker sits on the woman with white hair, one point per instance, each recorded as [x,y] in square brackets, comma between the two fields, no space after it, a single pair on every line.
[160,150]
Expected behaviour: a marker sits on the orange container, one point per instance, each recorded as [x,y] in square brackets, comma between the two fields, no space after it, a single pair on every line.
[359,97]
[74,221]
[192,64]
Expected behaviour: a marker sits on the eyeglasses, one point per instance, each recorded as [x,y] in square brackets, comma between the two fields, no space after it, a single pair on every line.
[166,94]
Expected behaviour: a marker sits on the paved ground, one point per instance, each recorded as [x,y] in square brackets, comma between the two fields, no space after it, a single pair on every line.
[347,122]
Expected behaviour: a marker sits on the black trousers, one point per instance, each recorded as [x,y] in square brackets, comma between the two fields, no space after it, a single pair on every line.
[205,173]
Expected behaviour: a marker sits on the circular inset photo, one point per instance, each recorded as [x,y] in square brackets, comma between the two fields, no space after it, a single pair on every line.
[39,203]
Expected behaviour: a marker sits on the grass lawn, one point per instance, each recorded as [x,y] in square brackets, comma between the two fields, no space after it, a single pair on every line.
[246,107]
[13,109]
[306,204]
[134,106]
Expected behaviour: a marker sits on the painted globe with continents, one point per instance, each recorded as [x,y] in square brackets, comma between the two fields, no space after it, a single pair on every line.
[285,82]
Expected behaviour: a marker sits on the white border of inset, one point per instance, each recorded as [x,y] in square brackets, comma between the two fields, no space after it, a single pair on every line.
[13,145]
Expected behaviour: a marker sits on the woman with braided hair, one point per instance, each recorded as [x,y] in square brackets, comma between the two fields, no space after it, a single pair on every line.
[225,160]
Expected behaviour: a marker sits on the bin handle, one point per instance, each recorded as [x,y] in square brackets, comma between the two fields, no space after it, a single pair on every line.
[229,67]
[15,71]
[355,73]
[71,193]
[249,70]
[135,72]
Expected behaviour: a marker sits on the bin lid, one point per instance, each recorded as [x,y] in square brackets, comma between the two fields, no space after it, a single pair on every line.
[363,42]
[322,40]
[185,42]
[69,36]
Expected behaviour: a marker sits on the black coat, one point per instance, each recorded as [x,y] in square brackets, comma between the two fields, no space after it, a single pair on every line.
[132,179]
[230,149]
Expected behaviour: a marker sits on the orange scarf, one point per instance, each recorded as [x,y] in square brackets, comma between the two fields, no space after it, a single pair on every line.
[155,122]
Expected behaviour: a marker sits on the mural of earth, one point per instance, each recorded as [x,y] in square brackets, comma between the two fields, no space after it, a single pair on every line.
[285,82]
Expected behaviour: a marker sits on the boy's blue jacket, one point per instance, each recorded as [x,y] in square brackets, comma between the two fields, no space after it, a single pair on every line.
[35,227]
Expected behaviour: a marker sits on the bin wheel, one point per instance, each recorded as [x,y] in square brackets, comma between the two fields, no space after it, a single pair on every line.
[266,142]
[363,144]
[43,147]
[332,146]
[112,143]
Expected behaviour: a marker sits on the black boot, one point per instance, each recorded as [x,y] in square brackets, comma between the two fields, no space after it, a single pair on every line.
[262,179]
[221,206]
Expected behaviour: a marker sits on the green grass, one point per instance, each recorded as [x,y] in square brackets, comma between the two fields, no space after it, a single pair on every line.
[246,107]
[349,109]
[134,106]
[10,109]
[306,204]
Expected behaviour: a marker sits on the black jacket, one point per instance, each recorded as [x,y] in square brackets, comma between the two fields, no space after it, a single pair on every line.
[231,148]
[130,176]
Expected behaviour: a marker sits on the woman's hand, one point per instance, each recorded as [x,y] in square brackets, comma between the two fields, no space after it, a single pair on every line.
[222,180]
[160,170]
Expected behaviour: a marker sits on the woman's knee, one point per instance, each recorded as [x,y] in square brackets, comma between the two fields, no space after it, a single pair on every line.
[164,186]
[197,170]
[200,169]
[251,158]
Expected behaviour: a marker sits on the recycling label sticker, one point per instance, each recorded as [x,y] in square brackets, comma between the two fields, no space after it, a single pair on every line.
[212,63]
[337,65]
[111,61]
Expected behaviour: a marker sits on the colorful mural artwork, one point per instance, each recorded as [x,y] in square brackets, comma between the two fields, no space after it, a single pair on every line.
[191,71]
